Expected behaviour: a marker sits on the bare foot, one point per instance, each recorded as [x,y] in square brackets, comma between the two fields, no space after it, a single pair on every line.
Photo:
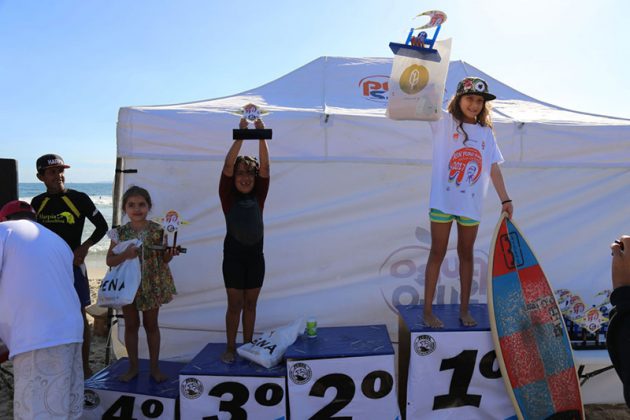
[432,321]
[127,377]
[158,376]
[467,320]
[228,357]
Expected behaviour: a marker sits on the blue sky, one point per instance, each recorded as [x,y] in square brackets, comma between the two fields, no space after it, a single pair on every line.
[67,66]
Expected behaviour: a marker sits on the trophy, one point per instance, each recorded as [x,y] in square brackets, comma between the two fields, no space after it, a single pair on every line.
[422,42]
[251,113]
[170,223]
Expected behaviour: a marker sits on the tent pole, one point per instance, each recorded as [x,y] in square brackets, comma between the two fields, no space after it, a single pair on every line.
[116,219]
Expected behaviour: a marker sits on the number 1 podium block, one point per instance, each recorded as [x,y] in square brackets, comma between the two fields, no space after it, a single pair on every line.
[212,390]
[344,371]
[106,397]
[451,372]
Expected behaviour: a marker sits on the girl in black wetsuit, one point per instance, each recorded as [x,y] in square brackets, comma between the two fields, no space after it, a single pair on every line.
[243,189]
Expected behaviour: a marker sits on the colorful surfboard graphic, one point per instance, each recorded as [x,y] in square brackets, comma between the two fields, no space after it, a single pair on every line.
[530,338]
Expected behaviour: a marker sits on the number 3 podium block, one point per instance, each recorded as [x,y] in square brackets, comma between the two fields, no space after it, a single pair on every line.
[213,390]
[106,397]
[344,371]
[451,372]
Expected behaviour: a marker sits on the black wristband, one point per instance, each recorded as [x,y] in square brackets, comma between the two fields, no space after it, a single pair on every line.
[505,202]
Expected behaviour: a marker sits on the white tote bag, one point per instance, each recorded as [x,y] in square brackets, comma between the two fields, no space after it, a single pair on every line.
[268,349]
[119,286]
[416,84]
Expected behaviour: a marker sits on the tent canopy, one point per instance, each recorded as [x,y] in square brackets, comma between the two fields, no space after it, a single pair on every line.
[346,225]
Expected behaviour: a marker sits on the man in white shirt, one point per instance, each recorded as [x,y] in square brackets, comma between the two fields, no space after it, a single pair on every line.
[40,317]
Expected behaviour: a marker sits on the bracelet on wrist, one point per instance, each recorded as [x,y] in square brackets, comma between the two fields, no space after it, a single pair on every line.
[505,202]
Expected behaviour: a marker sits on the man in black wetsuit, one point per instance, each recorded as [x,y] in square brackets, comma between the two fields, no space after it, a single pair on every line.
[64,212]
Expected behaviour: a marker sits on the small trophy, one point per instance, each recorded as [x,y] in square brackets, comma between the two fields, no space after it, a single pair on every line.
[170,223]
[251,113]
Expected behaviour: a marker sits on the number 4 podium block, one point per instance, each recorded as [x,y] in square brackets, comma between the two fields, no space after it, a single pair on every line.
[343,372]
[106,397]
[213,390]
[450,372]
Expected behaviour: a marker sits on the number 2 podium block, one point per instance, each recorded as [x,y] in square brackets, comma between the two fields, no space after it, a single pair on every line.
[451,372]
[213,390]
[106,397]
[344,371]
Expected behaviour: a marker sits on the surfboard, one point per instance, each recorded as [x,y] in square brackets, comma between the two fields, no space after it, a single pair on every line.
[530,338]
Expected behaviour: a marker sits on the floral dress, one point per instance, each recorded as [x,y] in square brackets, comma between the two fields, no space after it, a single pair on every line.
[156,286]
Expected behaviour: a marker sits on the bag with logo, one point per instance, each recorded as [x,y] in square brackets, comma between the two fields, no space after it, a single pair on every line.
[269,348]
[416,84]
[119,286]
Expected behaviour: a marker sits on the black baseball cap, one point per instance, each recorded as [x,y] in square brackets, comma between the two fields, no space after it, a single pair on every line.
[48,161]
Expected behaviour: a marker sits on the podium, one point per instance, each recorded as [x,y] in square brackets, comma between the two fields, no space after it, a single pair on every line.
[213,390]
[344,372]
[142,398]
[450,372]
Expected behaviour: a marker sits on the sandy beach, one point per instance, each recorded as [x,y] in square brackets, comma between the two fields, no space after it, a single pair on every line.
[98,356]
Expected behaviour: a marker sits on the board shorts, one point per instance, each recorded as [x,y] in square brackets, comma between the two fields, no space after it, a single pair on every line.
[82,285]
[438,216]
[49,383]
[243,271]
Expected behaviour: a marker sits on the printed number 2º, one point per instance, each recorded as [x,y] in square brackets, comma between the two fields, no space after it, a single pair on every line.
[463,366]
[345,391]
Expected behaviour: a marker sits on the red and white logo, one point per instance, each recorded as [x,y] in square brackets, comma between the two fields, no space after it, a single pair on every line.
[375,88]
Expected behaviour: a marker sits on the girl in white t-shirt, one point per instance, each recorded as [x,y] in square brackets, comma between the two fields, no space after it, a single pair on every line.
[465,158]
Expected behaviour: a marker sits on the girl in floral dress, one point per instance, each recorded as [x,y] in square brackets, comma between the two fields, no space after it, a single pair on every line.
[156,285]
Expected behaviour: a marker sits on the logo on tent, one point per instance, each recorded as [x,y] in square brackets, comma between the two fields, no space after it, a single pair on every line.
[375,88]
[403,274]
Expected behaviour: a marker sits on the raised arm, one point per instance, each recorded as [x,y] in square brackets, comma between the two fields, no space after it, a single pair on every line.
[263,152]
[232,154]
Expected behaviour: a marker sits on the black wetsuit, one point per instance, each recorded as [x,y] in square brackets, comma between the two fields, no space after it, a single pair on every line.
[243,258]
[65,214]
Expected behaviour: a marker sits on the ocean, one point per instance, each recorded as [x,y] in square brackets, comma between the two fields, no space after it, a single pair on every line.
[101,195]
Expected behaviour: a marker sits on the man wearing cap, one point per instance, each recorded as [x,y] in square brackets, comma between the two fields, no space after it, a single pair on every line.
[40,319]
[64,212]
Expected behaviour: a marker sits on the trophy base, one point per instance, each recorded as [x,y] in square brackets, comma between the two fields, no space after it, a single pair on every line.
[255,134]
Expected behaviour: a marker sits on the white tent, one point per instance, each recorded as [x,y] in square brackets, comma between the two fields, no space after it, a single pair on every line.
[346,219]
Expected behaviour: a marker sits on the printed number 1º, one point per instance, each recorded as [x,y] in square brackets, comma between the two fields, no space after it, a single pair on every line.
[463,366]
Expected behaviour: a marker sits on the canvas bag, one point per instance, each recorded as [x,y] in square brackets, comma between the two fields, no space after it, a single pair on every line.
[269,348]
[416,84]
[119,286]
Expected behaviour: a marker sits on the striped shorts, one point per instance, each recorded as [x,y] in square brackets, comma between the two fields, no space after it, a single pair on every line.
[437,216]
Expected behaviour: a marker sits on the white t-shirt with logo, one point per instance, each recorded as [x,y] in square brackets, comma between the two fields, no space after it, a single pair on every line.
[39,306]
[461,172]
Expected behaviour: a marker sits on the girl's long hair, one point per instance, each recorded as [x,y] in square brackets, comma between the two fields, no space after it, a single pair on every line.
[483,119]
